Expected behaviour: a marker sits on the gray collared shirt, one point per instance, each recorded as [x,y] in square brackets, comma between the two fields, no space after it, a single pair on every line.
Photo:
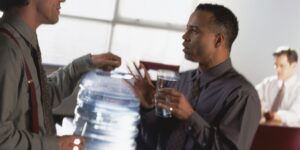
[222,89]
[14,97]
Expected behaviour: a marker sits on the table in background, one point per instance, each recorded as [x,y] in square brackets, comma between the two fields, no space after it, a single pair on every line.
[276,138]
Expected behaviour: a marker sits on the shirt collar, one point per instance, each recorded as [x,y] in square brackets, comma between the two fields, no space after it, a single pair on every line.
[212,73]
[23,29]
[290,81]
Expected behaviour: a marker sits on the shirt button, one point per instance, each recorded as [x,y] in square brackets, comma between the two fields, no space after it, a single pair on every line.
[189,128]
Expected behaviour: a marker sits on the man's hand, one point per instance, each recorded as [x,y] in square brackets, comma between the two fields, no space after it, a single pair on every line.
[177,102]
[70,142]
[143,87]
[269,116]
[272,117]
[106,61]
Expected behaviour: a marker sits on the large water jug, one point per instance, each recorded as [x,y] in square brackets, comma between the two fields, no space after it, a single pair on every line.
[107,112]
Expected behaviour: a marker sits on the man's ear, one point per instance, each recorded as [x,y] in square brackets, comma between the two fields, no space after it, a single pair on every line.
[219,39]
[294,64]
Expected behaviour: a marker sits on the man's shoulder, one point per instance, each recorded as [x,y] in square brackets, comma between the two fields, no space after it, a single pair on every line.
[5,44]
[237,79]
[8,48]
[242,87]
[297,76]
[5,36]
[269,80]
[295,82]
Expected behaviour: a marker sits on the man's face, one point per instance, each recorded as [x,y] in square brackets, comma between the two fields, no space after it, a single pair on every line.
[284,69]
[48,10]
[199,40]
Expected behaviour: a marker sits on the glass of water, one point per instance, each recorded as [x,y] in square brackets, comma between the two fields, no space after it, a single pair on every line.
[165,79]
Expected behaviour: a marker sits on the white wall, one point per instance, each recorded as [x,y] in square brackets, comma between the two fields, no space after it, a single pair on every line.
[264,25]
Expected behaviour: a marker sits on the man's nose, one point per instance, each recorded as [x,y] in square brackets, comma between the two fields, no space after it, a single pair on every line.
[278,69]
[185,36]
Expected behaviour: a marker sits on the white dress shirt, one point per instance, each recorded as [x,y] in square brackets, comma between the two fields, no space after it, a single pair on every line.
[289,110]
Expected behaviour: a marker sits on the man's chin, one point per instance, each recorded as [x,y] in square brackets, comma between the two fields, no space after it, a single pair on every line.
[280,77]
[190,58]
[52,21]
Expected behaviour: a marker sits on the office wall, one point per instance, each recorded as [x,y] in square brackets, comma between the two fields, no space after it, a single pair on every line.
[264,25]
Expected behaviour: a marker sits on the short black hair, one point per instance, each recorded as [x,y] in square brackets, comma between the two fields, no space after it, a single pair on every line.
[290,53]
[7,4]
[223,17]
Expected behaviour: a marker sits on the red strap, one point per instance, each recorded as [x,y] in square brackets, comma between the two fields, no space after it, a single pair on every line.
[31,88]
[34,113]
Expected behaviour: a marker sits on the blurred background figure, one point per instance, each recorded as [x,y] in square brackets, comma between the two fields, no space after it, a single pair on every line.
[279,94]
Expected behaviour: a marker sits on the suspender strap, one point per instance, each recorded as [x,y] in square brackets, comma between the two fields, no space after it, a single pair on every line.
[31,87]
[34,111]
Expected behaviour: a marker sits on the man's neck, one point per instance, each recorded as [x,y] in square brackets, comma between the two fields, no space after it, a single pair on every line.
[289,77]
[214,61]
[27,14]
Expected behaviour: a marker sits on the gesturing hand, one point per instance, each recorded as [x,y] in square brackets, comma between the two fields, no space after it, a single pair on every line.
[143,87]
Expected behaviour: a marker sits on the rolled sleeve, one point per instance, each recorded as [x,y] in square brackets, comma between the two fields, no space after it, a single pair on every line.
[83,64]
[62,82]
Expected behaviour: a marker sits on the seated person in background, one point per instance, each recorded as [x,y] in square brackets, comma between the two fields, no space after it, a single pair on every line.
[280,94]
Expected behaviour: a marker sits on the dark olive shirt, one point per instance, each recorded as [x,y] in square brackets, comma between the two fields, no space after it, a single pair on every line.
[15,104]
[224,93]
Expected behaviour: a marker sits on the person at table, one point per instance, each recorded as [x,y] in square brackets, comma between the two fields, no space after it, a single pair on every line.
[280,93]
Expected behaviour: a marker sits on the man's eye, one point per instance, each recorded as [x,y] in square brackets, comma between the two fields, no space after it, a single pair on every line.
[194,29]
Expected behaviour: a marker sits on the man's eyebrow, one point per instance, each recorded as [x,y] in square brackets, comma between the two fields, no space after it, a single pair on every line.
[192,26]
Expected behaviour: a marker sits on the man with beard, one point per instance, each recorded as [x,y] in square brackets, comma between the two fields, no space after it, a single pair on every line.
[213,106]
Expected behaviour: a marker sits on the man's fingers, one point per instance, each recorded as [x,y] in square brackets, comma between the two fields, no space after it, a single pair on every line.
[112,63]
[78,143]
[147,75]
[133,75]
[102,60]
[115,57]
[71,142]
[78,147]
[136,76]
[172,108]
[137,69]
[170,91]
